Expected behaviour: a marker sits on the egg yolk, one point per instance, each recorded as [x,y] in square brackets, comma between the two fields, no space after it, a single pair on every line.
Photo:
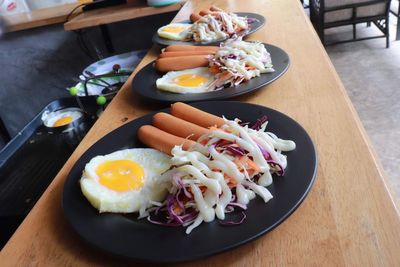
[63,121]
[121,175]
[173,29]
[191,80]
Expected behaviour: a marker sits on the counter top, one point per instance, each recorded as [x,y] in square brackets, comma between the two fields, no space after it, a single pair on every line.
[348,218]
[134,9]
[38,17]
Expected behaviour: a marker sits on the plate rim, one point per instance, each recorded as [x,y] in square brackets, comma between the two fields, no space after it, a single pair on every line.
[287,214]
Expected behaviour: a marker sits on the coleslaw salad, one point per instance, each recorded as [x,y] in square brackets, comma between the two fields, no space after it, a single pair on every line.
[227,168]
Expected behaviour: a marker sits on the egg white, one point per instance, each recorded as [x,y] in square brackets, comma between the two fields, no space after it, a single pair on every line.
[154,188]
[52,117]
[166,82]
[178,36]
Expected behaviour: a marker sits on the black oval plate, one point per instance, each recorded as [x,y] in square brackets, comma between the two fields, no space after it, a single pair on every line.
[124,235]
[260,21]
[144,82]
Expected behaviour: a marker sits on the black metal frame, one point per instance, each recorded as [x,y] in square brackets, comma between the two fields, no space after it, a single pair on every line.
[317,16]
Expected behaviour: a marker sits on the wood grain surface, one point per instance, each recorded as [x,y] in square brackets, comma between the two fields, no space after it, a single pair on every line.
[348,219]
[39,17]
[135,9]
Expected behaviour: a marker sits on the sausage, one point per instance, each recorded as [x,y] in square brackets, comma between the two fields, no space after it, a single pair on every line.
[177,126]
[194,17]
[196,116]
[173,48]
[181,63]
[204,12]
[185,53]
[215,8]
[160,140]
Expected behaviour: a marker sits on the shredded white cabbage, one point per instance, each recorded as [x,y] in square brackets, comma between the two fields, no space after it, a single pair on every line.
[210,173]
[240,61]
[218,26]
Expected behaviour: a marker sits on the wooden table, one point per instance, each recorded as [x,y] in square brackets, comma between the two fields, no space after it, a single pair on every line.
[102,16]
[97,17]
[38,17]
[348,218]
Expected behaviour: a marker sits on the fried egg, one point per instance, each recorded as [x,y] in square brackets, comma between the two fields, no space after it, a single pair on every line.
[195,80]
[126,180]
[61,117]
[175,31]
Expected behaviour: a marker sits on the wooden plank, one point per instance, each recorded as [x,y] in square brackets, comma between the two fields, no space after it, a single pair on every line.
[115,14]
[347,219]
[38,17]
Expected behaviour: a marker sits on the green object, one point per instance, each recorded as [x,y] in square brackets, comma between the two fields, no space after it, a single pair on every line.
[101,100]
[73,90]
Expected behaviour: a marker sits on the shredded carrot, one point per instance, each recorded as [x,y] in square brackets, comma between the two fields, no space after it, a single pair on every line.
[224,142]
[247,163]
[214,69]
[177,209]
[232,183]
[203,142]
[239,161]
[224,76]
[253,165]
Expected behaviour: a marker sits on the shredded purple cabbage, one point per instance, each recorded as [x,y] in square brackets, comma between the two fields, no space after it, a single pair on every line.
[170,208]
[275,165]
[265,153]
[230,223]
[236,150]
[235,204]
[259,123]
[252,20]
[176,178]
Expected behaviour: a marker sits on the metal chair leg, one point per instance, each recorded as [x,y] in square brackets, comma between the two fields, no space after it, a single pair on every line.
[387,33]
[387,41]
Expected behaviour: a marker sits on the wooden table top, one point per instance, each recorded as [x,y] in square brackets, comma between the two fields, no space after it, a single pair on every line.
[38,17]
[348,218]
[135,9]
[58,14]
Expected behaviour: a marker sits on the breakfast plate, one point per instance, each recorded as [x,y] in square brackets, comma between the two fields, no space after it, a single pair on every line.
[144,82]
[134,239]
[104,67]
[258,22]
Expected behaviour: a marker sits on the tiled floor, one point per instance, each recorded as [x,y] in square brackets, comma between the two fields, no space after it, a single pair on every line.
[371,75]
